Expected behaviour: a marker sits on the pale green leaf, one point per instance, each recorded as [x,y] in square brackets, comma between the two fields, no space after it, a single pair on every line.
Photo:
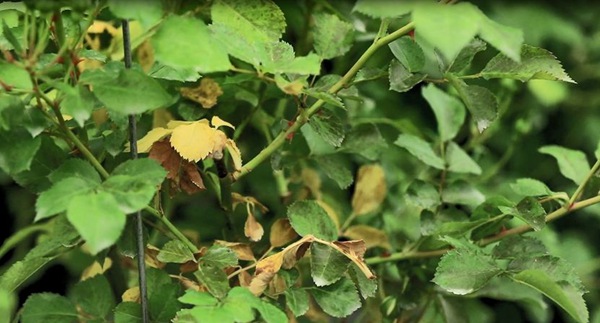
[8,303]
[338,300]
[308,217]
[329,128]
[449,111]
[98,219]
[60,195]
[459,161]
[254,20]
[297,300]
[409,53]
[420,149]
[327,265]
[461,192]
[329,98]
[213,278]
[423,194]
[385,8]
[482,103]
[181,42]
[20,271]
[564,296]
[332,36]
[536,63]
[530,187]
[175,251]
[78,103]
[558,269]
[507,40]
[48,308]
[15,76]
[465,270]
[147,12]
[220,257]
[401,80]
[573,164]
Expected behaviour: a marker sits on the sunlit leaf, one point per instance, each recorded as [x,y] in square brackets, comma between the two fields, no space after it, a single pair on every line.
[573,164]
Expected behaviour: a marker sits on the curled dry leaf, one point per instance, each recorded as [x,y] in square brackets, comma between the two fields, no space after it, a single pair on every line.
[372,237]
[182,174]
[252,229]
[265,272]
[370,189]
[282,233]
[206,93]
[294,252]
[355,251]
[151,257]
[242,250]
[245,278]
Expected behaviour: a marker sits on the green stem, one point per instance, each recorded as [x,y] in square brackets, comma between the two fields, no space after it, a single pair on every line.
[306,114]
[172,228]
[581,186]
[21,235]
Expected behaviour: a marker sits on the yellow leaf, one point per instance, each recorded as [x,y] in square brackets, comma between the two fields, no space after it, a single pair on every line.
[161,117]
[372,237]
[145,55]
[312,182]
[194,141]
[293,88]
[99,27]
[235,153]
[218,122]
[370,189]
[242,250]
[264,273]
[131,295]
[331,212]
[206,93]
[151,137]
[252,229]
[96,269]
[282,233]
[176,123]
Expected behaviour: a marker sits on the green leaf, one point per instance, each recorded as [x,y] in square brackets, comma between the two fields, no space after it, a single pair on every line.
[127,243]
[254,20]
[175,251]
[466,55]
[76,168]
[332,36]
[48,308]
[308,217]
[556,268]
[316,143]
[7,32]
[20,271]
[461,192]
[146,12]
[367,287]
[17,150]
[423,194]
[329,98]
[530,187]
[60,195]
[98,219]
[132,92]
[480,101]
[128,312]
[193,297]
[530,211]
[180,42]
[573,164]
[297,300]
[163,303]
[420,149]
[329,127]
[162,71]
[8,303]
[214,278]
[94,297]
[459,161]
[279,57]
[78,103]
[507,40]
[465,270]
[401,80]
[219,256]
[156,279]
[564,296]
[365,140]
[338,300]
[536,63]
[409,53]
[336,168]
[448,110]
[327,265]
[11,110]
[518,247]
[384,8]
[449,28]
[14,76]
[48,158]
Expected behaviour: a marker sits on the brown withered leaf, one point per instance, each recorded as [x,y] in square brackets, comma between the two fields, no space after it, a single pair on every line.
[187,283]
[188,267]
[370,189]
[150,257]
[276,286]
[293,253]
[282,233]
[355,251]
[265,272]
[244,278]
[182,174]
[372,237]
[242,250]
[252,229]
[206,93]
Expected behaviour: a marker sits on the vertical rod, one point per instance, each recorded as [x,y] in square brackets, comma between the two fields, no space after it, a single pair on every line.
[138,216]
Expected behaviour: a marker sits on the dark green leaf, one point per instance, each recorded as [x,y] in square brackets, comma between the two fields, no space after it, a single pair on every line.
[423,195]
[466,55]
[480,101]
[338,300]
[78,103]
[156,279]
[132,92]
[420,149]
[327,265]
[17,150]
[530,187]
[530,211]
[127,244]
[98,219]
[219,256]
[214,278]
[409,53]
[536,63]
[94,297]
[459,161]
[449,111]
[369,73]
[556,268]
[336,168]
[20,271]
[365,140]
[50,308]
[518,247]
[163,304]
[308,217]
[332,36]
[367,287]
[128,312]
[59,196]
[401,79]
[10,36]
[297,300]
[175,251]
[11,111]
[329,127]
[48,158]
[180,42]
[573,164]
[564,296]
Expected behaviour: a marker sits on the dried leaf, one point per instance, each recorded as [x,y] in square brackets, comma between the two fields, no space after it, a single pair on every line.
[252,229]
[96,269]
[282,233]
[355,251]
[131,295]
[242,250]
[244,278]
[265,272]
[372,237]
[294,252]
[150,138]
[312,182]
[183,174]
[237,198]
[218,122]
[206,93]
[370,189]
[150,257]
[188,283]
[234,152]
